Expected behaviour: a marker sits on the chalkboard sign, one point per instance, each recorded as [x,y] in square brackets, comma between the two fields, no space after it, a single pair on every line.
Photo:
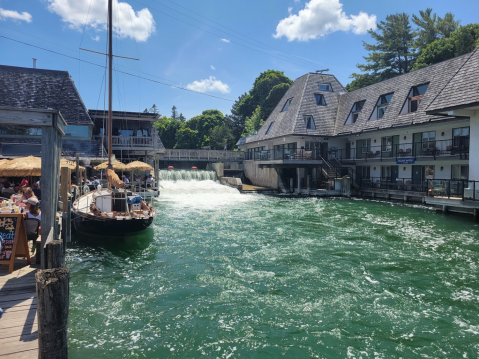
[14,244]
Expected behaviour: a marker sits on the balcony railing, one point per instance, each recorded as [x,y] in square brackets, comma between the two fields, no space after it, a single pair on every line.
[203,154]
[433,149]
[284,154]
[132,141]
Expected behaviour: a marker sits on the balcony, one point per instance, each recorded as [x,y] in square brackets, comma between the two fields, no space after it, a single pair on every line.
[284,155]
[203,155]
[133,142]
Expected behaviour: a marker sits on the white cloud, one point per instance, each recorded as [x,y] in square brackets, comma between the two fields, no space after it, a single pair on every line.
[322,17]
[290,9]
[225,40]
[209,85]
[95,38]
[15,15]
[213,68]
[138,25]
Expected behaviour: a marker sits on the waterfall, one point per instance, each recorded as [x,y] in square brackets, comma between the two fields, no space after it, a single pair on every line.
[186,175]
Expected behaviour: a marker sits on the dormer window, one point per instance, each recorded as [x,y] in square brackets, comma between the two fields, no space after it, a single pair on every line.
[269,128]
[381,106]
[320,101]
[309,121]
[286,105]
[354,114]
[414,98]
[325,87]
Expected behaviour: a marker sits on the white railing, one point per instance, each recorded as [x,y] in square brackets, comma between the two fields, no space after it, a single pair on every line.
[133,141]
[203,155]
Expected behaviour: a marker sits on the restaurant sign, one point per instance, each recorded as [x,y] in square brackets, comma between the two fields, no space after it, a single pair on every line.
[405,161]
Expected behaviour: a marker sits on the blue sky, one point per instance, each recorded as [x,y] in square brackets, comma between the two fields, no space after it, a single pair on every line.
[215,47]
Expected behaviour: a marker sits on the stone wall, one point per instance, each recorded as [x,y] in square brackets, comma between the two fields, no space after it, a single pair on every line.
[265,177]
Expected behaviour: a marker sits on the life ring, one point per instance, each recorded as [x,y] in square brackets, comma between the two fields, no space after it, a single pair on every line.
[86,189]
[171,167]
[194,168]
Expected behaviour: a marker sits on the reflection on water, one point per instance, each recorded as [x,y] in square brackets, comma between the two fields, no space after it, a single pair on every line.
[225,275]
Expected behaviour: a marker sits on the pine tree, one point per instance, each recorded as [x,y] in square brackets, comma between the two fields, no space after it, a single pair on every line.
[174,113]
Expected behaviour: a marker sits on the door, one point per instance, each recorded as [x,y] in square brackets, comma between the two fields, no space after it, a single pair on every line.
[324,150]
[394,173]
[395,145]
[416,139]
[347,155]
[416,174]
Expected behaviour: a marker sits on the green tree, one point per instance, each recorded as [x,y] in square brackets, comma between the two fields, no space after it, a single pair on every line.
[427,24]
[465,39]
[253,123]
[221,135]
[181,118]
[186,138]
[204,124]
[361,80]
[394,52]
[154,109]
[234,120]
[167,129]
[447,25]
[174,113]
[274,96]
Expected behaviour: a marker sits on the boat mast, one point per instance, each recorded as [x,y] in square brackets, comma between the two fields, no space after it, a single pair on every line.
[110,69]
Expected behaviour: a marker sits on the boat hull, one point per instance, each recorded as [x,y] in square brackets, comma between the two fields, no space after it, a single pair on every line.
[110,227]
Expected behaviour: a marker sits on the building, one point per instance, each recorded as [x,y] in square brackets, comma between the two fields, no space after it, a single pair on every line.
[410,132]
[31,88]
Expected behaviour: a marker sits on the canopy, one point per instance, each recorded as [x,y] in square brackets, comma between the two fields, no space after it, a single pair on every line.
[70,164]
[138,166]
[117,165]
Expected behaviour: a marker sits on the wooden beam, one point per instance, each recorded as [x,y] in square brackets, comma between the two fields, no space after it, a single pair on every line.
[24,118]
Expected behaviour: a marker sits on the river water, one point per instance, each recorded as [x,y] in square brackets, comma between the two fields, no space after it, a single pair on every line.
[225,275]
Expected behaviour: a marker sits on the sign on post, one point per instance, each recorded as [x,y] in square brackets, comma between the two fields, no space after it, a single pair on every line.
[14,235]
[405,161]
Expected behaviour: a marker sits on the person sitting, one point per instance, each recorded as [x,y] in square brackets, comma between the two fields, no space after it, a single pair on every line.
[24,182]
[27,193]
[33,211]
[17,188]
[149,181]
[125,179]
[7,191]
[95,181]
[37,191]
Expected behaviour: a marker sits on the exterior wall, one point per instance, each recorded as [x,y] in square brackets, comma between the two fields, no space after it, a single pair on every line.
[266,177]
[474,148]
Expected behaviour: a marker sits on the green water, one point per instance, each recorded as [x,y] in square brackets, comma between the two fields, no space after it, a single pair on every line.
[224,275]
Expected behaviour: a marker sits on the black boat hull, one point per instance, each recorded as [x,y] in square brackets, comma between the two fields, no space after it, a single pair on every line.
[110,227]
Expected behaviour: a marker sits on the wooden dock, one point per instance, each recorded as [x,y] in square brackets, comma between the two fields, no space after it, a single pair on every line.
[18,323]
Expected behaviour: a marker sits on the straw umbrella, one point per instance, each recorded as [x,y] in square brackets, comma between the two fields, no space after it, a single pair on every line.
[138,166]
[70,164]
[117,166]
[23,166]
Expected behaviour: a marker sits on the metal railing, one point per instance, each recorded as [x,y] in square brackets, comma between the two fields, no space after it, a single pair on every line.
[203,155]
[285,154]
[434,149]
[132,141]
[399,184]
[453,189]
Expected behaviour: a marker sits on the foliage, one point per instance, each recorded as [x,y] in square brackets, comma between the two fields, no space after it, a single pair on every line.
[221,135]
[253,123]
[181,117]
[273,98]
[235,120]
[174,113]
[204,124]
[167,129]
[361,80]
[186,138]
[432,27]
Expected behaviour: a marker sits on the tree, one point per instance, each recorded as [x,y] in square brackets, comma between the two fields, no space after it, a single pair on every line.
[274,96]
[447,25]
[186,138]
[361,80]
[181,118]
[427,31]
[393,54]
[167,129]
[174,113]
[221,135]
[154,109]
[204,123]
[234,120]
[465,38]
[253,123]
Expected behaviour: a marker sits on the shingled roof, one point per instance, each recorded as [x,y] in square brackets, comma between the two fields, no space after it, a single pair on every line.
[462,90]
[303,103]
[330,119]
[22,87]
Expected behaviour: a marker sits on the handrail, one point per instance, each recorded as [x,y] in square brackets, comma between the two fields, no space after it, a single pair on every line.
[203,154]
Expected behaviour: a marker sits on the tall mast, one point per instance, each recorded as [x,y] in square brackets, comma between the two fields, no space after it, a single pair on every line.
[110,69]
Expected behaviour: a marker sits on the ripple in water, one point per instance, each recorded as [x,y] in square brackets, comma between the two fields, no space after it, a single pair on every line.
[225,275]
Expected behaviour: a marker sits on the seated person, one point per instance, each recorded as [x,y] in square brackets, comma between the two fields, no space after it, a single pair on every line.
[27,193]
[125,179]
[33,210]
[7,190]
[17,188]
[95,181]
[37,191]
[149,180]
[24,182]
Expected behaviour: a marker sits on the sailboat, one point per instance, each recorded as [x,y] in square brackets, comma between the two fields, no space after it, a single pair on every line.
[110,212]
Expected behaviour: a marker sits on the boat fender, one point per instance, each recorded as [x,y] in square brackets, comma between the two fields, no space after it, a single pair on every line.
[86,189]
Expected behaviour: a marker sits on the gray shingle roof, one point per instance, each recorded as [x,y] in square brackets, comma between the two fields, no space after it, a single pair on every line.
[462,89]
[22,87]
[303,104]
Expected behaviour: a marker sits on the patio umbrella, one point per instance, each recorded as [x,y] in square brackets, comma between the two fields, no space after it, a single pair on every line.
[22,166]
[70,164]
[138,166]
[117,166]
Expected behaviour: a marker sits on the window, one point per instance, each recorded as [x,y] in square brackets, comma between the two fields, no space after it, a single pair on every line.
[428,140]
[320,99]
[364,172]
[386,144]
[126,132]
[310,125]
[460,172]
[77,131]
[354,114]
[269,128]
[325,87]
[286,105]
[460,139]
[414,98]
[381,106]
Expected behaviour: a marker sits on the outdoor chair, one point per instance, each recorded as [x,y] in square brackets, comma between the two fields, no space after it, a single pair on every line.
[32,226]
[308,155]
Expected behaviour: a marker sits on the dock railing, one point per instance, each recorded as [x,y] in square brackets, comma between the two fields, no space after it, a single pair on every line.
[454,189]
[173,154]
[284,154]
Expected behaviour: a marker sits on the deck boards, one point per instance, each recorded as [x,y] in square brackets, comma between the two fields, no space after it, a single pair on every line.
[18,323]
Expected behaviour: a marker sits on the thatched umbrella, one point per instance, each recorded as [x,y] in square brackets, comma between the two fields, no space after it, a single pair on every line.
[70,164]
[137,166]
[23,166]
[117,166]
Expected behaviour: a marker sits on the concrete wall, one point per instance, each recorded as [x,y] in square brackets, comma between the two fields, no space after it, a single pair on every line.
[232,182]
[266,177]
[219,168]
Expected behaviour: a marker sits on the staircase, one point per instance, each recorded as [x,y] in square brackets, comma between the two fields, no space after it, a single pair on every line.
[333,168]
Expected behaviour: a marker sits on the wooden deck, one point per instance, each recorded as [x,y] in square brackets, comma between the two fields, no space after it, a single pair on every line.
[255,189]
[18,323]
